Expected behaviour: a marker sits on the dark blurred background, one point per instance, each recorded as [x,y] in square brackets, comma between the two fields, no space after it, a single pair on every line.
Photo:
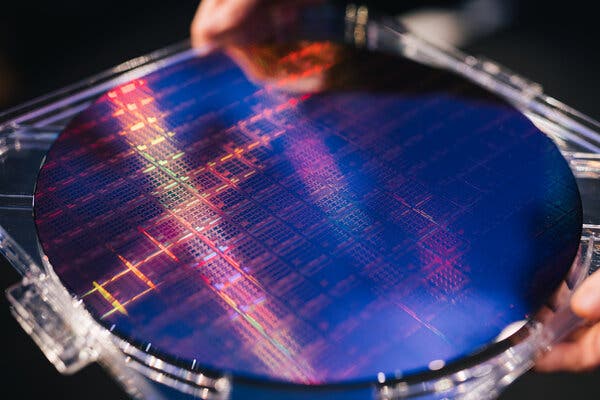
[52,44]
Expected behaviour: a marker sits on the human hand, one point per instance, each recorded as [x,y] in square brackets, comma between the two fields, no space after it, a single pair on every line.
[581,351]
[220,23]
[259,35]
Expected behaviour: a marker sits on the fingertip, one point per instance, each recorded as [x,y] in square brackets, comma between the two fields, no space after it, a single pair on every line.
[201,36]
[580,305]
[203,31]
[586,299]
[197,36]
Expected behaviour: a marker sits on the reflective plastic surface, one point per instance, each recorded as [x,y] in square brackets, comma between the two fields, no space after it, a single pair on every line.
[386,226]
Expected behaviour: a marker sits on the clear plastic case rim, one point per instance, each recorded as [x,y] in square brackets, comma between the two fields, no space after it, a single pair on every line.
[45,110]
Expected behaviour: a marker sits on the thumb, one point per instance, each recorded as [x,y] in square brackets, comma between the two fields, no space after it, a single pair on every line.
[586,299]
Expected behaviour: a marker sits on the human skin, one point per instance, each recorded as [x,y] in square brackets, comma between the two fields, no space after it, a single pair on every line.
[220,23]
[581,351]
[240,26]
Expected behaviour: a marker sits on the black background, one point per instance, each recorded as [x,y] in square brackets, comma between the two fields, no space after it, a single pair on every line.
[46,46]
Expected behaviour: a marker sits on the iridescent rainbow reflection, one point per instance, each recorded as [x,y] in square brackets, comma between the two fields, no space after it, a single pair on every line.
[306,238]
